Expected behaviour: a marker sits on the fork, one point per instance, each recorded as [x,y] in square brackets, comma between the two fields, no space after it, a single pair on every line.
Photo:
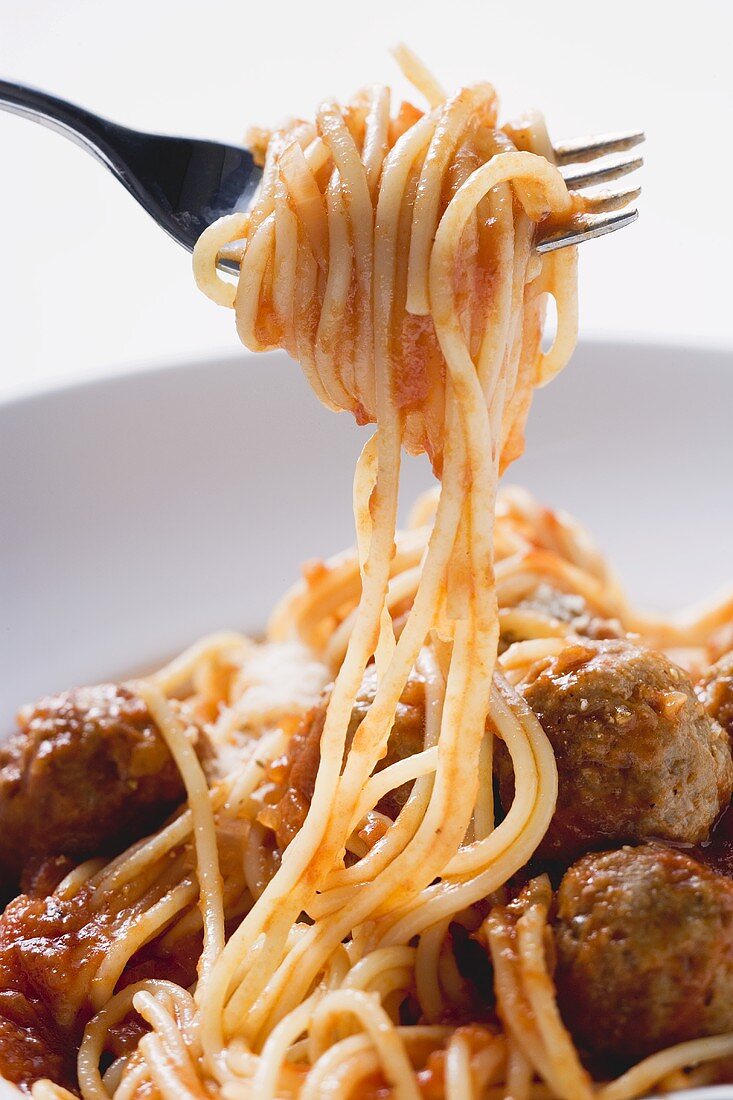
[185,184]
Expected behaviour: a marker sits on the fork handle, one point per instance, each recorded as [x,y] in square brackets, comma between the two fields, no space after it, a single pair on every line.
[84,128]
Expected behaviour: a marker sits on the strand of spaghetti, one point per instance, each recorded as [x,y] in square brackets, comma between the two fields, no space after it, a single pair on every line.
[43,1090]
[497,336]
[208,246]
[362,497]
[488,1064]
[528,773]
[519,1072]
[403,771]
[372,1018]
[466,108]
[95,1034]
[519,574]
[419,75]
[333,336]
[239,795]
[316,154]
[139,928]
[427,984]
[154,1014]
[358,203]
[172,676]
[71,884]
[367,970]
[336,584]
[165,1074]
[525,653]
[204,831]
[512,1005]
[113,1075]
[550,193]
[339,1071]
[376,137]
[309,208]
[285,258]
[191,922]
[255,869]
[458,1076]
[391,987]
[401,590]
[559,278]
[692,626]
[642,1077]
[136,1077]
[569,1075]
[136,860]
[498,852]
[274,1052]
[363,492]
[483,814]
[334,895]
[556,531]
[452,981]
[235,226]
[249,285]
[509,403]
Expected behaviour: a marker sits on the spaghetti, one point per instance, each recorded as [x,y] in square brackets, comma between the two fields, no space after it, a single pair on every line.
[392,254]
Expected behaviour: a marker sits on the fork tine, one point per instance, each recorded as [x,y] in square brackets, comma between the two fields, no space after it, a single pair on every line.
[230,256]
[610,200]
[581,150]
[619,166]
[585,227]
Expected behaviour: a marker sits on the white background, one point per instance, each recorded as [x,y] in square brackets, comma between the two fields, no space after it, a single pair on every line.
[88,284]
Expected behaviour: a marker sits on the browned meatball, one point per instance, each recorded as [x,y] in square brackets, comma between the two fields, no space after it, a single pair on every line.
[716,692]
[569,608]
[295,774]
[638,757]
[86,773]
[644,940]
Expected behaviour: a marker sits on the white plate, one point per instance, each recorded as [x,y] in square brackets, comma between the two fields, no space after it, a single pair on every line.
[140,511]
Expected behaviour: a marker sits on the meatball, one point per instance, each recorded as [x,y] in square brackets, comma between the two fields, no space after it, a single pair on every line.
[716,692]
[86,773]
[563,607]
[644,944]
[295,774]
[638,757]
[51,948]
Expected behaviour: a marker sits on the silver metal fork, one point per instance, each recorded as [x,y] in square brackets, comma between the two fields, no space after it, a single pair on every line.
[606,210]
[187,183]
